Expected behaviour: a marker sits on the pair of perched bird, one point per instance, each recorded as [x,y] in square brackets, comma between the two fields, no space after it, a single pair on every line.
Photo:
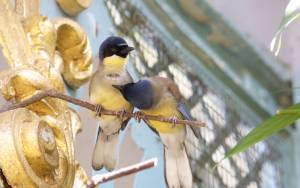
[113,88]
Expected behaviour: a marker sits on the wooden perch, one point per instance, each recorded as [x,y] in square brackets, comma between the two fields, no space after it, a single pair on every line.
[98,179]
[98,109]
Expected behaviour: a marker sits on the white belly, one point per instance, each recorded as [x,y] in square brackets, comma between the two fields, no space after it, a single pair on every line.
[110,124]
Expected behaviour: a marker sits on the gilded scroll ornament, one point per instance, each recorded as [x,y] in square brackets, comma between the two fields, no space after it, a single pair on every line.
[38,139]
[20,84]
[73,7]
[27,8]
[73,45]
[81,177]
[33,155]
[13,40]
[41,35]
[75,122]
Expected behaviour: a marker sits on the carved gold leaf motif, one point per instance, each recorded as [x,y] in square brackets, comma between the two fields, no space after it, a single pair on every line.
[73,7]
[39,139]
[73,45]
[33,156]
[12,37]
[27,8]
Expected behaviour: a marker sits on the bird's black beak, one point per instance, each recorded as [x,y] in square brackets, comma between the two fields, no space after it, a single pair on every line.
[126,50]
[123,88]
[118,87]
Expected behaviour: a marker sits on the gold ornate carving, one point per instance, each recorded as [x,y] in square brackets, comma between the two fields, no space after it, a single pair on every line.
[33,156]
[81,177]
[12,37]
[38,139]
[21,84]
[27,8]
[41,35]
[75,122]
[74,47]
[73,7]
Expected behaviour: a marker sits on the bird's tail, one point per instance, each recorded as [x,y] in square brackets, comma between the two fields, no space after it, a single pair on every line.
[177,168]
[105,151]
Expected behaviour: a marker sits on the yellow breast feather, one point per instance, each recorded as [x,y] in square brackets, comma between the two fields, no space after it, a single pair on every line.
[101,90]
[167,108]
[109,98]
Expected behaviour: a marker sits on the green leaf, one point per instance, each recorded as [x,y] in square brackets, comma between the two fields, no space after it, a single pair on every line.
[272,125]
[292,12]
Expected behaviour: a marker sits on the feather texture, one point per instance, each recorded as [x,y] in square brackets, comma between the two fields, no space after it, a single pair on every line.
[105,151]
[177,168]
[181,107]
[111,72]
[161,96]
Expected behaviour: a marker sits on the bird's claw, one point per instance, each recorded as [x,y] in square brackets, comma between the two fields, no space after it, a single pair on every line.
[121,114]
[173,120]
[138,116]
[98,110]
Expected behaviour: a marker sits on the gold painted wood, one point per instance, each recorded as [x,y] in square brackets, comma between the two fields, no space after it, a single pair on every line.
[73,7]
[39,139]
[41,35]
[12,37]
[27,8]
[33,156]
[20,84]
[81,177]
[74,47]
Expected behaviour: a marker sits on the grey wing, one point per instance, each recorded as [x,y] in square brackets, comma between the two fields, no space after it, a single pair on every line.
[181,107]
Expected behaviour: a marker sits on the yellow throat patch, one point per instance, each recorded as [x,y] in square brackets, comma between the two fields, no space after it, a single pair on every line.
[114,62]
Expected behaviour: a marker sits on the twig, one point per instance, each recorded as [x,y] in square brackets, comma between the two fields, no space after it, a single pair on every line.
[92,107]
[98,179]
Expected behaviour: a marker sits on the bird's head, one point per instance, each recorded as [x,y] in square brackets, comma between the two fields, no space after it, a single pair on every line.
[114,46]
[139,94]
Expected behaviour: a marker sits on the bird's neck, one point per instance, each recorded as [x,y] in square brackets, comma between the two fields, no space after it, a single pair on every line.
[114,62]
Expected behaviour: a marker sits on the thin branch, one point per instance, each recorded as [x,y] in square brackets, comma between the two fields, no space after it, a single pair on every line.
[137,115]
[98,179]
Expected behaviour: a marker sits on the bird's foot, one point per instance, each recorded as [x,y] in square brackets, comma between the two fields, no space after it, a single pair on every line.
[173,120]
[121,114]
[98,110]
[138,116]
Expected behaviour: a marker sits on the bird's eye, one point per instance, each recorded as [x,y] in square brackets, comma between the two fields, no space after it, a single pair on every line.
[114,50]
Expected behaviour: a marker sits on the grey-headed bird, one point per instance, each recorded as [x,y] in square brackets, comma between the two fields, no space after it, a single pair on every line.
[160,96]
[111,71]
